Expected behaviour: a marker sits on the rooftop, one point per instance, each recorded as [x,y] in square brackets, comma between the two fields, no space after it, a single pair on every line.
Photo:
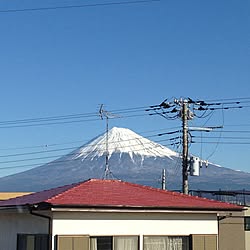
[117,194]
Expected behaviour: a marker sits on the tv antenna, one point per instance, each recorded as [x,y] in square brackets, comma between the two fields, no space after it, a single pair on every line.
[107,115]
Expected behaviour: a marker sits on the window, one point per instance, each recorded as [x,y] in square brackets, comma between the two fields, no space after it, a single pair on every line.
[32,242]
[247,223]
[114,243]
[72,242]
[204,242]
[101,243]
[166,243]
[84,242]
[126,243]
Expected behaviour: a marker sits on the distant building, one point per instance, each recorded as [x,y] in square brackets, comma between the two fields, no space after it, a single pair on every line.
[9,195]
[110,215]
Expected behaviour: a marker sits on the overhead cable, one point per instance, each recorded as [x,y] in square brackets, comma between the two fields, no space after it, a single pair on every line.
[78,6]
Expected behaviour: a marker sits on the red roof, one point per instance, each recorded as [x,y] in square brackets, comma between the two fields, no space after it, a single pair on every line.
[119,194]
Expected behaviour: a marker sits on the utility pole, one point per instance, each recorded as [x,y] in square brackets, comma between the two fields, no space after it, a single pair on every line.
[186,110]
[184,117]
[163,180]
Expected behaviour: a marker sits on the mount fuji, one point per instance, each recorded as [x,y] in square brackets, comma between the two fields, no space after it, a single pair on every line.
[131,157]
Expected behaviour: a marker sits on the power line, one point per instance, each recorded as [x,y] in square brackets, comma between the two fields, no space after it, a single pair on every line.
[78,6]
[126,113]
[222,137]
[230,131]
[73,153]
[68,116]
[229,99]
[222,142]
[132,112]
[172,139]
[49,118]
[49,145]
[187,109]
[67,119]
[42,145]
[67,122]
[62,161]
[47,123]
[37,152]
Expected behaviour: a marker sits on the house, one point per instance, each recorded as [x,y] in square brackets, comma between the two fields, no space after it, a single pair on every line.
[110,215]
[234,231]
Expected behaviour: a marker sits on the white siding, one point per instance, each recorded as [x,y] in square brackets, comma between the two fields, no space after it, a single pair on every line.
[97,223]
[12,223]
[133,223]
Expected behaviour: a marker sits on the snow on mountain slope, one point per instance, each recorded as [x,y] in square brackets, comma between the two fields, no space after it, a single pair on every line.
[132,158]
[123,140]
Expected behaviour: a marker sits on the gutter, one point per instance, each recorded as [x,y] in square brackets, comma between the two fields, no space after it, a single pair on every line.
[31,211]
[145,208]
[117,210]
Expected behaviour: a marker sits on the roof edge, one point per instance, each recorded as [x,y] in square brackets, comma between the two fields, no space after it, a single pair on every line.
[153,208]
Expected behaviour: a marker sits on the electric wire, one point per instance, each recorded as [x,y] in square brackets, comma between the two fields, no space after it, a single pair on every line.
[229,99]
[220,135]
[134,111]
[88,145]
[222,142]
[147,134]
[91,145]
[68,116]
[224,137]
[78,6]
[65,122]
[58,161]
[73,153]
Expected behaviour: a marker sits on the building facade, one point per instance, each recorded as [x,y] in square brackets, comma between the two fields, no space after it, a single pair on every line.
[110,215]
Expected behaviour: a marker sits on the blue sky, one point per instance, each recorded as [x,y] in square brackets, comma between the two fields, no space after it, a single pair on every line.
[68,61]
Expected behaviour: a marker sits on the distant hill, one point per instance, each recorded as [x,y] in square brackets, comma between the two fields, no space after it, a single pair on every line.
[131,158]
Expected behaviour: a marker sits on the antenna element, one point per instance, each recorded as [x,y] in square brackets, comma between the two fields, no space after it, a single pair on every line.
[105,114]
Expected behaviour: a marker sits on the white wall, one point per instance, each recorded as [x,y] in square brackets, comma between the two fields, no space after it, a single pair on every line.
[133,223]
[97,223]
[13,223]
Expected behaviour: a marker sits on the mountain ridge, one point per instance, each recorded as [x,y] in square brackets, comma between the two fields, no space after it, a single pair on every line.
[122,140]
[129,162]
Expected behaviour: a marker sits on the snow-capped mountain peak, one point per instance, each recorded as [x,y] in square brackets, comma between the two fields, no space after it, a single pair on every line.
[123,140]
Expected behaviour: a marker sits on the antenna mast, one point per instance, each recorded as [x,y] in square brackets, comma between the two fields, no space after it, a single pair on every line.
[105,114]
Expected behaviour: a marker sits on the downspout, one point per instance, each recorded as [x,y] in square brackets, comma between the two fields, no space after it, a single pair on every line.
[30,208]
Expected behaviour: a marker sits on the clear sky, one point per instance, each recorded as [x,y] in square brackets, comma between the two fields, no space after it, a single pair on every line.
[68,61]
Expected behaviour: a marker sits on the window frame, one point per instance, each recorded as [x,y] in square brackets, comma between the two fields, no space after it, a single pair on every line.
[187,237]
[36,240]
[113,238]
[70,236]
[247,223]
